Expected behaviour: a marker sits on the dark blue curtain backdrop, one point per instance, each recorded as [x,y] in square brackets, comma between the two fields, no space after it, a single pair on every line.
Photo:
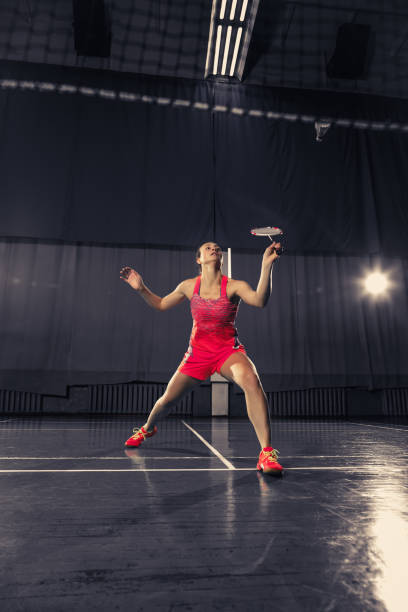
[67,318]
[78,168]
[89,185]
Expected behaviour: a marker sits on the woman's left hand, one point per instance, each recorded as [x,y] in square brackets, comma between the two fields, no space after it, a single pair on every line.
[270,254]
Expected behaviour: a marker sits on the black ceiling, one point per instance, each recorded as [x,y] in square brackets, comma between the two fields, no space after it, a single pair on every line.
[292,41]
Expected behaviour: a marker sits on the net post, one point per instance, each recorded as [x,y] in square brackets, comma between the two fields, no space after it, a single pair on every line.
[219,384]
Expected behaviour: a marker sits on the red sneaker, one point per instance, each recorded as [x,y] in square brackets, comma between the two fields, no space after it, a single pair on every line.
[139,435]
[268,461]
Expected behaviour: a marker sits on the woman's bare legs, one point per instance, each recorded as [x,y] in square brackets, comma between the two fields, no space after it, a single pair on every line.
[240,369]
[178,386]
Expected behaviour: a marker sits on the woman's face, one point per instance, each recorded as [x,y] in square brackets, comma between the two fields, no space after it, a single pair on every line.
[210,251]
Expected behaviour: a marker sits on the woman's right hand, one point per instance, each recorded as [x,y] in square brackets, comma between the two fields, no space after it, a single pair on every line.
[132,277]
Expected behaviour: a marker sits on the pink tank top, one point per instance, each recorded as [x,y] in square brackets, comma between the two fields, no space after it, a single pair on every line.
[213,320]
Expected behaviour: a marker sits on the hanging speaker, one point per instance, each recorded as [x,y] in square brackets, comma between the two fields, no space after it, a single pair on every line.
[350,57]
[92,33]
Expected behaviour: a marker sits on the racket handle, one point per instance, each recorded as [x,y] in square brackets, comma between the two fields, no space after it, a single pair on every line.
[279,251]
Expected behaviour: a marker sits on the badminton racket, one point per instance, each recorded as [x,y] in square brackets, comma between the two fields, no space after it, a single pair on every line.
[268,231]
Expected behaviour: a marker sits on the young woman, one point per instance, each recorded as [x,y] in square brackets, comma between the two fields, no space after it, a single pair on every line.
[214,344]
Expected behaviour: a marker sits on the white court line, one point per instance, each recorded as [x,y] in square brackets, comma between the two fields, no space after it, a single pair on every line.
[378,426]
[147,458]
[212,449]
[92,458]
[135,471]
[308,457]
[356,469]
[40,429]
[44,418]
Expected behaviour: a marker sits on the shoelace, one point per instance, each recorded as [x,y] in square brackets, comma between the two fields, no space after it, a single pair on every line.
[273,454]
[136,431]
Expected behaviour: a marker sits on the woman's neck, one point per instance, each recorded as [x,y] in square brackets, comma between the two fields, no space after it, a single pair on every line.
[211,276]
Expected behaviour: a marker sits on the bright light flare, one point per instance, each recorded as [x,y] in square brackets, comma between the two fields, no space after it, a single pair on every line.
[376,283]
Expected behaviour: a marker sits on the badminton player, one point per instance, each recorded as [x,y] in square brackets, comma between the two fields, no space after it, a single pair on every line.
[214,345]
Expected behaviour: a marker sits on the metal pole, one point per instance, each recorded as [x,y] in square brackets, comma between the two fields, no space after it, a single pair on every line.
[219,384]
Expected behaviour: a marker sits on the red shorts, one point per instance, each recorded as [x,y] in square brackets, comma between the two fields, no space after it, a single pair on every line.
[202,364]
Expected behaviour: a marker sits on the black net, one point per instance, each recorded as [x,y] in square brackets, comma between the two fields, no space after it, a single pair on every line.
[294,44]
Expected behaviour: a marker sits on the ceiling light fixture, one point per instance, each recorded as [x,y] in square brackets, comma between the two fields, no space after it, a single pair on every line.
[232,23]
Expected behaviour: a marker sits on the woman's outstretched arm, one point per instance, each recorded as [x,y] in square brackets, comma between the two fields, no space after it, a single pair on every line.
[134,279]
[260,297]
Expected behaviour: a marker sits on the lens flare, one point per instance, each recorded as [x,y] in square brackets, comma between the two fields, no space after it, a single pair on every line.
[376,283]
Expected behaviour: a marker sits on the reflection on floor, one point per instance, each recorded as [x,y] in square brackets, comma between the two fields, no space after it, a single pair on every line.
[88,525]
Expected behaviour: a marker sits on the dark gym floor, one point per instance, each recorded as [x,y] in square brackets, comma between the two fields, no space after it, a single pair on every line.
[172,526]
